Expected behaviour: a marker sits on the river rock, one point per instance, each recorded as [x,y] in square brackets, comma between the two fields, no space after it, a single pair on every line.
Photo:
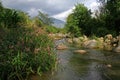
[61,47]
[76,40]
[91,44]
[107,47]
[69,40]
[100,43]
[117,49]
[109,65]
[85,38]
[109,36]
[80,51]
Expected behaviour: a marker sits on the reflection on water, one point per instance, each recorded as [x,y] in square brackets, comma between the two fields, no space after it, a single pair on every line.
[91,66]
[88,68]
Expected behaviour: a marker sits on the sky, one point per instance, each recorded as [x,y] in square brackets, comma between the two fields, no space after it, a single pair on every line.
[58,9]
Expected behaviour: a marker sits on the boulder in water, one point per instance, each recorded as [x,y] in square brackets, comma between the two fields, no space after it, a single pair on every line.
[117,49]
[76,40]
[80,51]
[109,65]
[61,47]
[91,44]
[69,40]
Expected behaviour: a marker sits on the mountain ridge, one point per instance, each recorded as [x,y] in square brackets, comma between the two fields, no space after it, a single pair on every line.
[58,23]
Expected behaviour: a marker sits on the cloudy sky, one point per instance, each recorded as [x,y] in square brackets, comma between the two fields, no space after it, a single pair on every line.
[59,9]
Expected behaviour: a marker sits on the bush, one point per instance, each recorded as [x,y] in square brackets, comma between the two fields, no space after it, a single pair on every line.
[23,52]
[51,29]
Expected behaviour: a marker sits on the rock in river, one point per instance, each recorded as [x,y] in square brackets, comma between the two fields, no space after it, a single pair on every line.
[91,44]
[117,49]
[61,47]
[80,51]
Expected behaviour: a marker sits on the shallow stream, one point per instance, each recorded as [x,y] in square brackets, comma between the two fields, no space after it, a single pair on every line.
[95,65]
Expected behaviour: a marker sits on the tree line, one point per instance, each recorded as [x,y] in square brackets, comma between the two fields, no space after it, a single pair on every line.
[105,20]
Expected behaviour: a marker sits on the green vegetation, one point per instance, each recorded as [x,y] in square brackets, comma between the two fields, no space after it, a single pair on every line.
[25,48]
[45,18]
[45,22]
[23,51]
[76,22]
[111,11]
[105,21]
[52,29]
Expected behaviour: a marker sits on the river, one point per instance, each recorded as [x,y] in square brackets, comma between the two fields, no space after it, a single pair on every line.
[95,65]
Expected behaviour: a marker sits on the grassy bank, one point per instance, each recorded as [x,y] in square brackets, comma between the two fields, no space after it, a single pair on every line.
[24,51]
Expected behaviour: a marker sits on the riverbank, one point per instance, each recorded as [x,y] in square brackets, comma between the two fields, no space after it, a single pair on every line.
[93,65]
[108,43]
[25,51]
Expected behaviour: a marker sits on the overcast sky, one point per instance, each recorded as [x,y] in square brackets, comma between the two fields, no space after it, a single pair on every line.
[59,9]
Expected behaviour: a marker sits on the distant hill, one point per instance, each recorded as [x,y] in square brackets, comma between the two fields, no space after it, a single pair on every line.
[58,23]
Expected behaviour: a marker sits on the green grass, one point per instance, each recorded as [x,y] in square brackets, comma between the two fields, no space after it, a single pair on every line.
[23,52]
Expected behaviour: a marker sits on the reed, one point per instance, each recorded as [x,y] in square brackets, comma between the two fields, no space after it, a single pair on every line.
[23,52]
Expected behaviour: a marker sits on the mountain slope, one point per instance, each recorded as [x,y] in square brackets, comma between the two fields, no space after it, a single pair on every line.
[58,23]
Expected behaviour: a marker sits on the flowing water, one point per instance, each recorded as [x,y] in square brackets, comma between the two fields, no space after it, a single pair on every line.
[95,65]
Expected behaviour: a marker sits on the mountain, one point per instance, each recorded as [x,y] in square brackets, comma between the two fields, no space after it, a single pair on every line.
[58,23]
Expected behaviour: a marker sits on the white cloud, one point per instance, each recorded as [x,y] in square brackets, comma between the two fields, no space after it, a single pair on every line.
[62,16]
[30,0]
[33,12]
[59,9]
[52,7]
[93,5]
[54,2]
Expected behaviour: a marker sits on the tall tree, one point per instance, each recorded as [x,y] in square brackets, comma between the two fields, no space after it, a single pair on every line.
[72,27]
[112,11]
[79,20]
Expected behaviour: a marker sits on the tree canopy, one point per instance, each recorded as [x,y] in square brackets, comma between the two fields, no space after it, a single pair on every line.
[106,19]
[76,22]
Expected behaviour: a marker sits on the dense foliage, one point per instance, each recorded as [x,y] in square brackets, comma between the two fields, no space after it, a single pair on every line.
[104,21]
[52,29]
[112,12]
[25,48]
[24,51]
[76,22]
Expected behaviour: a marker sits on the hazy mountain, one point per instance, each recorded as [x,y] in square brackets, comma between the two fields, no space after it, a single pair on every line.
[58,23]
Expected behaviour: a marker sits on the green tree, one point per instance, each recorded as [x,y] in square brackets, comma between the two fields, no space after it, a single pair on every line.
[79,20]
[112,11]
[72,27]
[97,24]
